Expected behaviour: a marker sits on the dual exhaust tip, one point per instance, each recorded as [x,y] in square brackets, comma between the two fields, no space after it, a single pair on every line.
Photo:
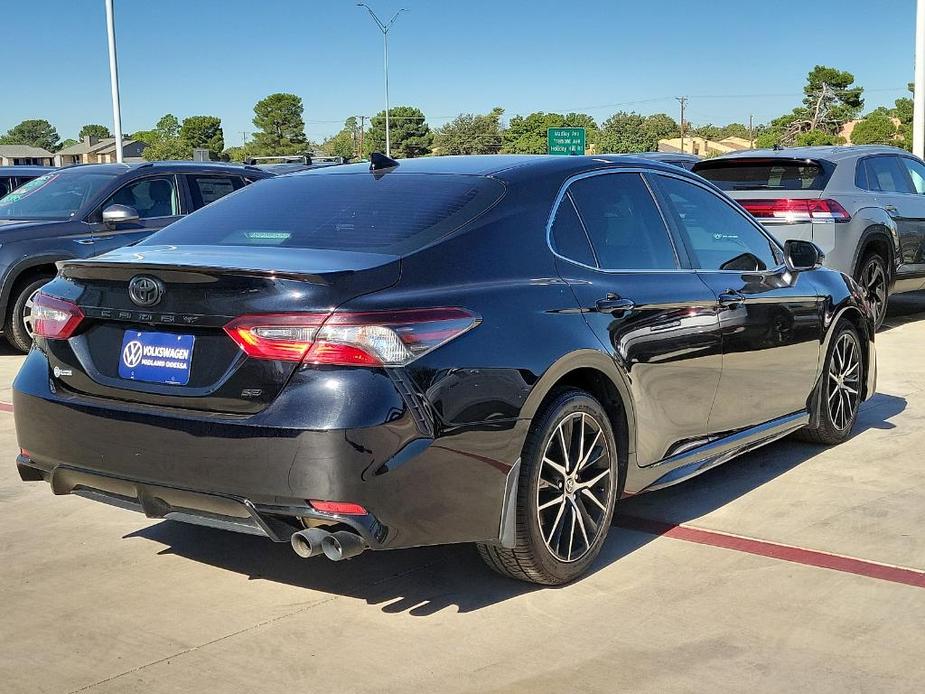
[335,546]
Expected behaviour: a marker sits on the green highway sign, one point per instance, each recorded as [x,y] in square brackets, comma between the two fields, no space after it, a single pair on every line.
[565,140]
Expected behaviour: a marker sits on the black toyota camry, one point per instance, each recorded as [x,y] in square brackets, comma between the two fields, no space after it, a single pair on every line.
[491,350]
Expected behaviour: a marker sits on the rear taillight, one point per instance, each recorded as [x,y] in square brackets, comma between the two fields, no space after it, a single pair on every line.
[797,210]
[375,338]
[54,318]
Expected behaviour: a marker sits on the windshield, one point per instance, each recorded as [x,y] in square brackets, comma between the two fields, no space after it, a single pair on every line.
[53,196]
[394,213]
[764,174]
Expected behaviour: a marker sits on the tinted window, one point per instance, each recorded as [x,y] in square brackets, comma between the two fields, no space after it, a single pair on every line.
[624,224]
[54,195]
[151,197]
[916,172]
[6,185]
[887,175]
[766,174]
[208,189]
[568,236]
[391,213]
[719,237]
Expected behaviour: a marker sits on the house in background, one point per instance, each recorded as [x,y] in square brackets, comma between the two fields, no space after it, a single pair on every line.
[703,147]
[94,150]
[25,155]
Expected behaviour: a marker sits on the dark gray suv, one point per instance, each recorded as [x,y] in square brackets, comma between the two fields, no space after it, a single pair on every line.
[83,211]
[864,206]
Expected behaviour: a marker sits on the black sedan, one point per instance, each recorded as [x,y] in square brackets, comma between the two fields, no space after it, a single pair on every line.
[465,349]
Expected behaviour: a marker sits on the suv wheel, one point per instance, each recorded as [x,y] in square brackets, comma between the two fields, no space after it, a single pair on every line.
[842,380]
[18,327]
[873,278]
[565,496]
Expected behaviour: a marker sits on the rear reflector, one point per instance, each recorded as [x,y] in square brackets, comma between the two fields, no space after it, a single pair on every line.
[54,318]
[341,507]
[797,210]
[375,338]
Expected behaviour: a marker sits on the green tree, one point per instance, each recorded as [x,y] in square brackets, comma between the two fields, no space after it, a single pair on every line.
[831,98]
[67,143]
[282,129]
[813,138]
[659,126]
[527,134]
[164,142]
[877,128]
[35,132]
[410,135]
[167,128]
[631,132]
[204,132]
[346,142]
[237,153]
[94,130]
[470,133]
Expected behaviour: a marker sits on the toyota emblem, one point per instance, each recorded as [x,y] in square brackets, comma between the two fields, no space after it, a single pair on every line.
[145,291]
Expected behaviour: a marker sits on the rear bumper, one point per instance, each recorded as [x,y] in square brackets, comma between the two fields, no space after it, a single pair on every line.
[257,473]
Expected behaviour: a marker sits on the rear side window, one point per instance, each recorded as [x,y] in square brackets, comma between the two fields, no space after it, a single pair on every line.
[764,174]
[6,185]
[208,189]
[391,213]
[883,174]
[623,223]
[719,237]
[916,172]
[568,236]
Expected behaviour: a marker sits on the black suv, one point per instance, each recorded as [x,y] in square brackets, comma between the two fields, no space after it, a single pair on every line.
[83,211]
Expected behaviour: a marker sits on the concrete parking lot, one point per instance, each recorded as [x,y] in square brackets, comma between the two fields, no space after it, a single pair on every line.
[795,567]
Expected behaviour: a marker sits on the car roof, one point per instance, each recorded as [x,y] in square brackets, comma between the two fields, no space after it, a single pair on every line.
[164,166]
[664,156]
[505,166]
[24,170]
[828,153]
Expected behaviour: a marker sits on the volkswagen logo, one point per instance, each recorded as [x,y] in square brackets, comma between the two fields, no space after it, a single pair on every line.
[131,355]
[145,291]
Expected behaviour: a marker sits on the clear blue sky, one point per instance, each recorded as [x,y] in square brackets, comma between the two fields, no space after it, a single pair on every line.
[219,57]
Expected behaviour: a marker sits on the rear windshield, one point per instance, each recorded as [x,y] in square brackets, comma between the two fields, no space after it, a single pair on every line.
[390,213]
[773,174]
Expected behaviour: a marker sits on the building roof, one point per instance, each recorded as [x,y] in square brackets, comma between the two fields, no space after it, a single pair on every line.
[105,145]
[19,151]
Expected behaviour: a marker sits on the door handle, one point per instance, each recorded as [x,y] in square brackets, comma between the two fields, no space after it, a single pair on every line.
[730,298]
[891,209]
[612,303]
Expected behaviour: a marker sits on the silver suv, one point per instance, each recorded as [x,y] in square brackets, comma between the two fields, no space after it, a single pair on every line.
[864,206]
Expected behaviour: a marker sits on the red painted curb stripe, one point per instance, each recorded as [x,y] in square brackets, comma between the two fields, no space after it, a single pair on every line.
[763,548]
[6,407]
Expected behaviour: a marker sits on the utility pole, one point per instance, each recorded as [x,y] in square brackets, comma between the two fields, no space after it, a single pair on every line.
[384,28]
[114,79]
[244,134]
[683,101]
[362,133]
[751,132]
[918,97]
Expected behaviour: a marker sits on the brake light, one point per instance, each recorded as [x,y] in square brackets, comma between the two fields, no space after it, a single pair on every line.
[374,338]
[54,318]
[797,210]
[341,507]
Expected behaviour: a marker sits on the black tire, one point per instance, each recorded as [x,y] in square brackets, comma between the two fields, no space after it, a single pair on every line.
[833,425]
[874,278]
[14,329]
[532,559]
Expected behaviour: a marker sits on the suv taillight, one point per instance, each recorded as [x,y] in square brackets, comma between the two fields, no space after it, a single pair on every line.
[54,318]
[797,210]
[375,338]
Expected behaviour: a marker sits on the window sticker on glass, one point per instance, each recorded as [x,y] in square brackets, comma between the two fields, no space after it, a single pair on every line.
[268,235]
[30,187]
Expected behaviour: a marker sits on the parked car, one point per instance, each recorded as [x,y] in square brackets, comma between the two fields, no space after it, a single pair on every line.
[82,211]
[685,161]
[450,349]
[11,177]
[863,205]
[279,165]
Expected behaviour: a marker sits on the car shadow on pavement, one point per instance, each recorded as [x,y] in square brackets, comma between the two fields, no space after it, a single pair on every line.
[426,580]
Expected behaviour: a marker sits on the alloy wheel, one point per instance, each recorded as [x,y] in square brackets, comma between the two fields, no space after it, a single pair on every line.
[575,487]
[844,381]
[873,280]
[27,315]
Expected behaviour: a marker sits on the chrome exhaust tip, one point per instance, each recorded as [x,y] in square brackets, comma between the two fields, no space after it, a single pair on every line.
[342,545]
[309,543]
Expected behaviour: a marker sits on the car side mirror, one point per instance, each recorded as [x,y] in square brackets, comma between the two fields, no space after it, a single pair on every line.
[803,255]
[119,214]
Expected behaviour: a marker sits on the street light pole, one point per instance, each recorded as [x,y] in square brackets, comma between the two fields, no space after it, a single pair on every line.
[918,110]
[384,28]
[114,78]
